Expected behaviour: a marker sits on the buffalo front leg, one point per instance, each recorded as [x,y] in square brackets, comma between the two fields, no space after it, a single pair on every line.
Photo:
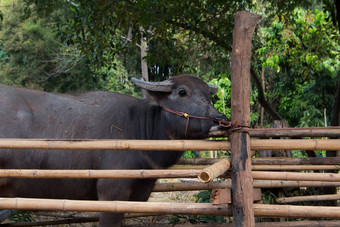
[113,190]
[110,219]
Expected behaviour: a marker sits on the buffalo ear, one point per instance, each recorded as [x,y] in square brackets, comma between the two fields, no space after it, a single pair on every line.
[164,86]
[213,88]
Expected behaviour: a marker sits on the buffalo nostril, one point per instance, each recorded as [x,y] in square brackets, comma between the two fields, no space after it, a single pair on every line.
[218,120]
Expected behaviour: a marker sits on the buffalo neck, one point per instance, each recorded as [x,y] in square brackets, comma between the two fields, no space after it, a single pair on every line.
[154,126]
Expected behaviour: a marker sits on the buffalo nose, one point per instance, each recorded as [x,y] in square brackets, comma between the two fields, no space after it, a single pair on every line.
[217,120]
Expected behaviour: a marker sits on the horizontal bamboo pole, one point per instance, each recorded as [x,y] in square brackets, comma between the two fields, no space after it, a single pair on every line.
[294,199]
[113,206]
[260,210]
[156,173]
[292,211]
[197,186]
[90,174]
[309,223]
[67,221]
[295,144]
[267,161]
[295,167]
[175,145]
[200,167]
[265,175]
[212,172]
[271,167]
[314,223]
[296,161]
[285,132]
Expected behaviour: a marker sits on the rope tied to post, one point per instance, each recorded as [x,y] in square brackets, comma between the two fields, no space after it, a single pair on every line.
[232,126]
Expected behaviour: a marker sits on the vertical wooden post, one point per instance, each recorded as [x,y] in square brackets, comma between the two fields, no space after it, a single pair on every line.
[242,181]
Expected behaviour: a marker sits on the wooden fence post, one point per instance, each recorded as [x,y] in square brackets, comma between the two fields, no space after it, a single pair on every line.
[242,181]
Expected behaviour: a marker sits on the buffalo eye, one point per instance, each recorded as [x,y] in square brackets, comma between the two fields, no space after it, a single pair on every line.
[182,93]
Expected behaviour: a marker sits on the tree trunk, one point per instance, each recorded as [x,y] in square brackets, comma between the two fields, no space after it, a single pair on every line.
[143,54]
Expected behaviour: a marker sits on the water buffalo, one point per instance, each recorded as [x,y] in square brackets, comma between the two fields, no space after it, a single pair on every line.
[28,113]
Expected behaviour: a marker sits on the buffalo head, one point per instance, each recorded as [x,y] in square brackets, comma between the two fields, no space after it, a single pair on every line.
[184,94]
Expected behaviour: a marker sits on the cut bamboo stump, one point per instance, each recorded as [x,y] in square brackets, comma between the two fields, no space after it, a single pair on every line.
[212,172]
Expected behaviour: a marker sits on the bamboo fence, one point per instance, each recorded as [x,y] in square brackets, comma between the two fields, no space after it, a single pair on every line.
[167,145]
[263,179]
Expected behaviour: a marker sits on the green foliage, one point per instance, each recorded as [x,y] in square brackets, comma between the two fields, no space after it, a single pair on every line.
[22,216]
[114,78]
[268,197]
[306,41]
[190,154]
[303,51]
[222,97]
[30,56]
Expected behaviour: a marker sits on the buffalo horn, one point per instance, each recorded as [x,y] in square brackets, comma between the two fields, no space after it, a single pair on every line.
[213,88]
[164,86]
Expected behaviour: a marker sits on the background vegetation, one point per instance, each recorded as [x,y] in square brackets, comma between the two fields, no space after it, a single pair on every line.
[85,45]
